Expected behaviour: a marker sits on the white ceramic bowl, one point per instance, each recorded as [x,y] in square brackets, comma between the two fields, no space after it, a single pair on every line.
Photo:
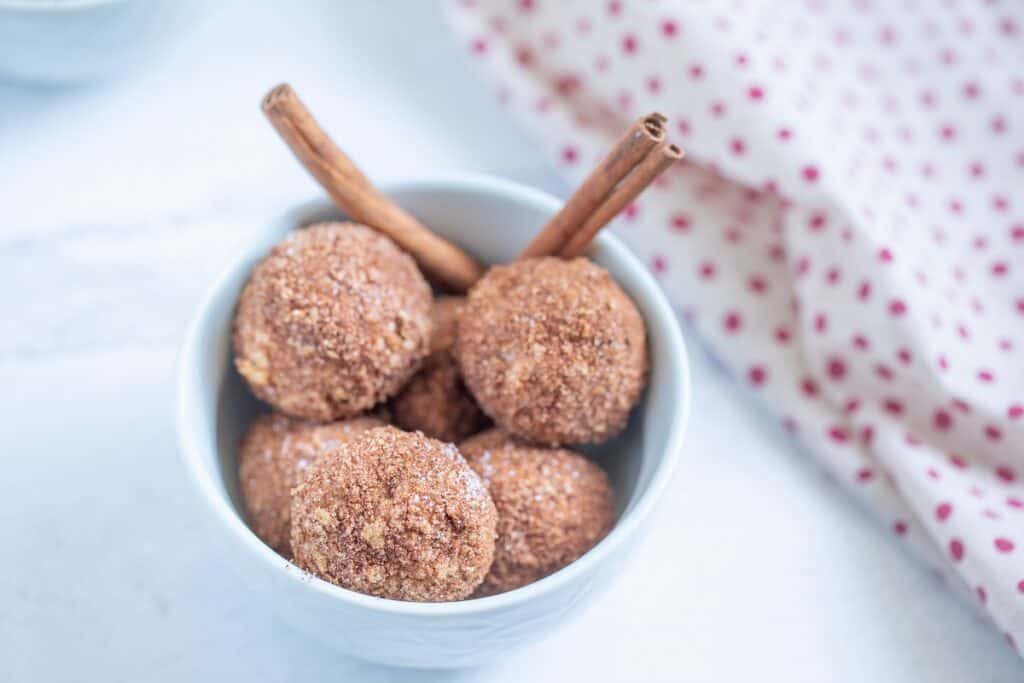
[493,219]
[67,41]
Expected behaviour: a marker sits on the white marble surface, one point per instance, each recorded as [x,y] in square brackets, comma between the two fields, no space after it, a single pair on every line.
[122,201]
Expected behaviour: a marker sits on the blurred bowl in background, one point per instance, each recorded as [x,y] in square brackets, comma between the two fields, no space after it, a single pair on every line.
[74,41]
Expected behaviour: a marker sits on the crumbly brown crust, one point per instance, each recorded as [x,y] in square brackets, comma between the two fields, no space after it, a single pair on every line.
[275,453]
[553,350]
[396,515]
[436,401]
[553,506]
[334,320]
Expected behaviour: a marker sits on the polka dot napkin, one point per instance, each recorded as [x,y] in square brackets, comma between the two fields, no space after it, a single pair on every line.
[846,233]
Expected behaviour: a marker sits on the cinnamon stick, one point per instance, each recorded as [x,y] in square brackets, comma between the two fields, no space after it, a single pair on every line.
[654,164]
[441,261]
[630,149]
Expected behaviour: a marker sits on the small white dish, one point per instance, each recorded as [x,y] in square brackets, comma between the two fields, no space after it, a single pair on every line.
[493,219]
[70,41]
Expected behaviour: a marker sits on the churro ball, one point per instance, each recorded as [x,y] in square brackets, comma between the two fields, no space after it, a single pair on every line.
[553,350]
[334,320]
[435,401]
[553,506]
[397,515]
[274,455]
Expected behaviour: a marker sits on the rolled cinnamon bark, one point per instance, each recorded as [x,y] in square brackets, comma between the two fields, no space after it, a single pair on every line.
[654,164]
[441,261]
[630,149]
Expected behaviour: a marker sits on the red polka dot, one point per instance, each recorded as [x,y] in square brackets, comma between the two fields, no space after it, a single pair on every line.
[811,174]
[864,290]
[956,549]
[943,511]
[867,435]
[982,593]
[629,44]
[820,323]
[1006,473]
[755,93]
[784,133]
[525,56]
[1015,411]
[757,284]
[802,265]
[809,386]
[900,527]
[1004,545]
[993,433]
[570,155]
[836,368]
[883,371]
[738,146]
[680,222]
[904,356]
[958,461]
[782,335]
[707,270]
[669,28]
[838,434]
[757,375]
[732,322]
[892,406]
[1015,502]
[986,376]
[942,420]
[865,474]
[897,308]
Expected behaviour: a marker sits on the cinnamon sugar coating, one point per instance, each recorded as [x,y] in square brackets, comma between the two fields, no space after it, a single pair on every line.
[397,515]
[436,401]
[275,453]
[334,320]
[553,350]
[553,506]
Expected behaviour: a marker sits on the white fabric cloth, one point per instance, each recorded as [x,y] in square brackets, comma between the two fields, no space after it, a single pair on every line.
[846,234]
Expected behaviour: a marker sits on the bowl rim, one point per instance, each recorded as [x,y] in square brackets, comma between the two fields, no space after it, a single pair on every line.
[191,446]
